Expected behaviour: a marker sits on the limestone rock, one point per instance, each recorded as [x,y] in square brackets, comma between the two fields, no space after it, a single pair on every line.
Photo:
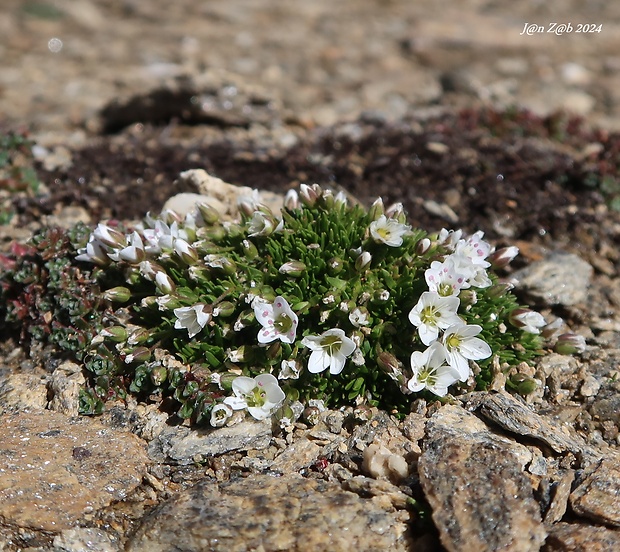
[576,537]
[182,445]
[268,513]
[474,481]
[55,469]
[65,384]
[19,391]
[596,497]
[560,279]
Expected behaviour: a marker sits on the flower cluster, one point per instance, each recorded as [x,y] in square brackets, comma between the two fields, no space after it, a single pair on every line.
[323,301]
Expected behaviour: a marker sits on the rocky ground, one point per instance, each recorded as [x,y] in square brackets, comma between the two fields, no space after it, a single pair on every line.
[415,103]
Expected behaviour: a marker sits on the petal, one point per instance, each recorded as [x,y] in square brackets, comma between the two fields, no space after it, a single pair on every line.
[267,335]
[347,347]
[459,363]
[318,362]
[263,312]
[475,348]
[259,412]
[313,342]
[336,363]
[243,385]
[428,334]
[235,403]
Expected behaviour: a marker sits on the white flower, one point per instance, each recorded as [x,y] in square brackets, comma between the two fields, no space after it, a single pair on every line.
[462,346]
[528,320]
[475,274]
[388,231]
[277,319]
[108,236]
[289,369]
[94,252]
[359,317]
[474,248]
[443,278]
[132,253]
[260,395]
[185,251]
[430,371]
[433,313]
[329,350]
[193,319]
[220,414]
[449,238]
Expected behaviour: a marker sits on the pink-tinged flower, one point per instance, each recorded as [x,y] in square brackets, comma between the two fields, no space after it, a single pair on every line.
[277,319]
[260,395]
[474,248]
[433,313]
[193,319]
[329,350]
[443,278]
[462,345]
[388,231]
[431,372]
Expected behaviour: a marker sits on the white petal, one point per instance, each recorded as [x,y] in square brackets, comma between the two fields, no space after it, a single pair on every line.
[243,385]
[318,362]
[336,363]
[236,403]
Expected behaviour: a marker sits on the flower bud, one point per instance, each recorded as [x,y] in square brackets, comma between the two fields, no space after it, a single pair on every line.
[468,297]
[134,252]
[249,249]
[363,261]
[224,308]
[119,294]
[170,217]
[216,233]
[570,344]
[391,366]
[274,351]
[308,195]
[293,268]
[164,283]
[335,266]
[376,209]
[226,380]
[552,329]
[159,375]
[109,236]
[395,211]
[185,251]
[327,199]
[139,354]
[117,334]
[503,257]
[291,200]
[246,206]
[209,214]
[498,290]
[222,263]
[199,274]
[137,336]
[423,246]
[524,385]
[380,296]
[341,201]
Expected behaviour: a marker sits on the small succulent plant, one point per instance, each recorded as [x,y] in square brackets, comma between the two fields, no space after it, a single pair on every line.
[324,301]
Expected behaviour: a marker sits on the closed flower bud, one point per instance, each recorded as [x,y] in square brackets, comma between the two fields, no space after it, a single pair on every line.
[376,209]
[363,261]
[249,249]
[340,201]
[216,233]
[391,366]
[328,199]
[159,375]
[209,214]
[524,385]
[226,380]
[246,206]
[498,290]
[570,344]
[293,268]
[119,294]
[224,308]
[117,334]
[380,296]
[139,354]
[394,211]
[164,283]
[291,200]
[503,257]
[137,336]
[552,329]
[423,246]
[274,351]
[109,236]
[185,251]
[335,266]
[222,263]
[199,274]
[308,195]
[468,297]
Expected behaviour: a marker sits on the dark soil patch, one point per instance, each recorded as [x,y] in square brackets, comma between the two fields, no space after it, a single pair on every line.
[512,174]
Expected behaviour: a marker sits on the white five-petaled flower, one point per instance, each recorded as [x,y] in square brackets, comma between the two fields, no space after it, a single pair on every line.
[388,231]
[433,313]
[474,248]
[260,395]
[278,320]
[193,318]
[220,414]
[329,350]
[462,345]
[430,371]
[443,278]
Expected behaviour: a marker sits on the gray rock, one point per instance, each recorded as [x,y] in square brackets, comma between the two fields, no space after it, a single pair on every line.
[518,418]
[475,483]
[182,445]
[84,539]
[57,469]
[596,496]
[65,384]
[560,279]
[19,391]
[270,513]
[576,537]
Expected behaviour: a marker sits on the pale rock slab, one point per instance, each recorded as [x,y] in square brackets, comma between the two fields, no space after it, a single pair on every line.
[475,483]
